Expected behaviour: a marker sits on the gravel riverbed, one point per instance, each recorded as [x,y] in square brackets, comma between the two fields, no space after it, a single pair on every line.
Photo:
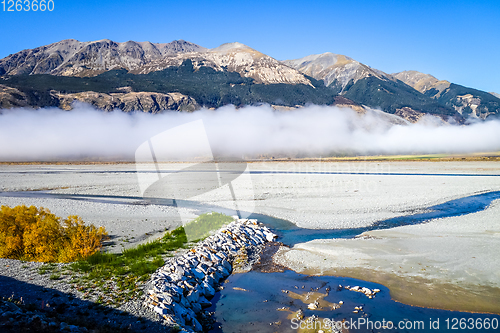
[61,306]
[308,194]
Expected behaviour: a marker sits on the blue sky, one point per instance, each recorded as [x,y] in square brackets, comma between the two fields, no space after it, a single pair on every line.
[454,40]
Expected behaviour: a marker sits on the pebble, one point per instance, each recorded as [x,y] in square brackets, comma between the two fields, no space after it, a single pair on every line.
[370,293]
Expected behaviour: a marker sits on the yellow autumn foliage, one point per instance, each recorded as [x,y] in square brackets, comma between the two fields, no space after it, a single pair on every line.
[35,234]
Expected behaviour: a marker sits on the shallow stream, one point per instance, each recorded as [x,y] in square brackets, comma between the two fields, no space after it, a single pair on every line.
[259,302]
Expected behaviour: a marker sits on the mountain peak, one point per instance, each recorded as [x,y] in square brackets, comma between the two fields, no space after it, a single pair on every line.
[335,69]
[69,40]
[421,81]
[105,40]
[180,46]
[232,47]
[238,57]
[414,76]
[465,101]
[320,62]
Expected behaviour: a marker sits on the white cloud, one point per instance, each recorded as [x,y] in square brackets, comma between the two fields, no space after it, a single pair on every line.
[52,134]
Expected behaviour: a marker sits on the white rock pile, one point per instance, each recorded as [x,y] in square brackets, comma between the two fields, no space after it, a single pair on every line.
[180,290]
[370,293]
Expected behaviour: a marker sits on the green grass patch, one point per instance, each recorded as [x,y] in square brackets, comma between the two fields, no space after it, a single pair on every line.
[129,268]
[141,260]
[203,225]
[47,268]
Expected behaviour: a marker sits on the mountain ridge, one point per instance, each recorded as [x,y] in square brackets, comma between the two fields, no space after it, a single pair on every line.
[331,67]
[71,57]
[242,76]
[365,85]
[233,57]
[469,102]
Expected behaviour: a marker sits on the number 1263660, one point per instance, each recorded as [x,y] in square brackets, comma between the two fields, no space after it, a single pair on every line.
[27,5]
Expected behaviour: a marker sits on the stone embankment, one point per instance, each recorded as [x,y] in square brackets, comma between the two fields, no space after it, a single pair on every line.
[181,290]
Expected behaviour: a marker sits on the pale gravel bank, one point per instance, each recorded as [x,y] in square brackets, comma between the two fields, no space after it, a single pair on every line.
[356,194]
[309,194]
[461,250]
[59,302]
[115,200]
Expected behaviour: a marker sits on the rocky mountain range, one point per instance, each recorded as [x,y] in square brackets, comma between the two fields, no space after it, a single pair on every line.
[73,58]
[367,86]
[233,57]
[466,101]
[183,76]
[337,71]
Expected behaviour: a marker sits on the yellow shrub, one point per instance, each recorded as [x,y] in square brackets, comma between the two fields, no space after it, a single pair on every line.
[42,238]
[82,241]
[12,224]
[38,235]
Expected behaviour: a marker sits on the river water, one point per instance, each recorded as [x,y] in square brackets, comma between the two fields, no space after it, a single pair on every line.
[258,302]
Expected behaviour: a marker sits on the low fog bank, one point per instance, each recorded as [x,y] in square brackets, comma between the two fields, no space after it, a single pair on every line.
[86,133]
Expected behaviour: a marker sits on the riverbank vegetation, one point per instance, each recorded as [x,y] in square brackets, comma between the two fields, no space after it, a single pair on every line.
[35,234]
